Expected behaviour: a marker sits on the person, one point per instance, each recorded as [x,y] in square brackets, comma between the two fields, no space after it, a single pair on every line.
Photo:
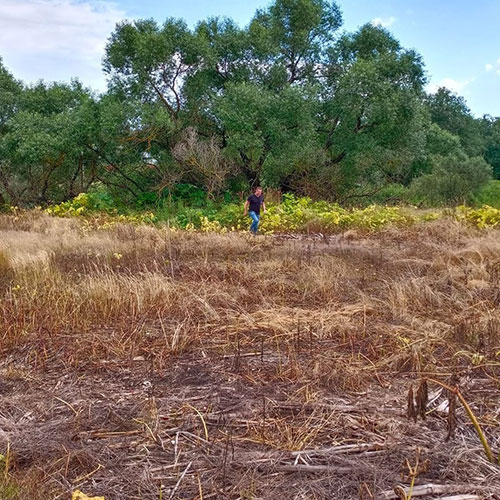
[252,208]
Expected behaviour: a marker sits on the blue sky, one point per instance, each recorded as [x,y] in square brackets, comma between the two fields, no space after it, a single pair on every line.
[58,39]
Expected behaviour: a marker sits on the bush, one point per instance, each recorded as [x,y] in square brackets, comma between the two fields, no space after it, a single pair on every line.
[293,215]
[303,215]
[489,195]
[392,194]
[455,179]
[480,217]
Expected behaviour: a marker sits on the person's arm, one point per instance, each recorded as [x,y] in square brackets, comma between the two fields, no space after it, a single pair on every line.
[263,207]
[245,211]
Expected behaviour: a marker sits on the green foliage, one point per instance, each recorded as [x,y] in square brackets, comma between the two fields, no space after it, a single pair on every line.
[292,36]
[304,215]
[480,217]
[288,102]
[10,91]
[489,195]
[80,205]
[454,179]
[101,205]
[297,215]
[391,194]
[451,113]
[190,194]
[9,491]
[491,128]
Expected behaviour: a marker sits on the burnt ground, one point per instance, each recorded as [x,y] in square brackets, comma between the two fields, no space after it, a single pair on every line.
[241,414]
[223,427]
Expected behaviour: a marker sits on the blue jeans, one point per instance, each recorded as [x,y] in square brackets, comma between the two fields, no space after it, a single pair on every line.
[255,224]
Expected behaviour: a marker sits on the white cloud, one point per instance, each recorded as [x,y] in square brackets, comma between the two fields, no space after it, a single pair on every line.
[56,39]
[498,60]
[488,67]
[384,22]
[450,84]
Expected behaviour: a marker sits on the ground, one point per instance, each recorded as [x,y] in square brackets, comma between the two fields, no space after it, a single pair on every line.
[143,363]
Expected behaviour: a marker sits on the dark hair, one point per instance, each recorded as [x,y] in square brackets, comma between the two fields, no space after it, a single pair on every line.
[257,187]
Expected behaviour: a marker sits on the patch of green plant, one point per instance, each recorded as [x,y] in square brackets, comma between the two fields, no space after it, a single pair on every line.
[8,491]
[489,195]
[293,214]
[483,217]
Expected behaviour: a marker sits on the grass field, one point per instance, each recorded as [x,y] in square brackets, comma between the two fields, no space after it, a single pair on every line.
[143,363]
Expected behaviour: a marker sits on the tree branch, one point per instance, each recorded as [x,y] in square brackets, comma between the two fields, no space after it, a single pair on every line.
[116,167]
[162,98]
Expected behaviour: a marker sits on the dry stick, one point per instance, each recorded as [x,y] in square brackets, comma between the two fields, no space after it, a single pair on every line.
[179,481]
[452,418]
[337,450]
[411,412]
[169,242]
[461,497]
[7,462]
[224,464]
[427,489]
[86,476]
[307,468]
[67,404]
[310,341]
[205,429]
[472,418]
[200,489]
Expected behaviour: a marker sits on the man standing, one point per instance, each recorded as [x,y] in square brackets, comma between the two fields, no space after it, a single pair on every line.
[252,207]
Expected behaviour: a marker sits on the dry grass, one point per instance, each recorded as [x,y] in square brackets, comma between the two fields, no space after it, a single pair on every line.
[140,361]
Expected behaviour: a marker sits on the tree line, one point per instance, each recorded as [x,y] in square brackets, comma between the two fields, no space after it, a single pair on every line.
[290,101]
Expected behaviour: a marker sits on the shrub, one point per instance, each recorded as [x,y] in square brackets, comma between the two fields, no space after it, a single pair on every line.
[489,195]
[455,179]
[480,217]
[293,215]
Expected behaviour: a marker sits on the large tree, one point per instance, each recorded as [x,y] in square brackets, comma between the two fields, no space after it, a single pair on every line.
[451,113]
[41,149]
[288,101]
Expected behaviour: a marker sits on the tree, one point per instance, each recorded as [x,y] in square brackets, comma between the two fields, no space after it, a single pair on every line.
[148,62]
[455,179]
[269,134]
[451,113]
[290,39]
[10,90]
[40,145]
[287,101]
[372,119]
[491,130]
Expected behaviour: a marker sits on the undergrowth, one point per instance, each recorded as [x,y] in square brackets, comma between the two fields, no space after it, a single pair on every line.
[301,215]
[291,215]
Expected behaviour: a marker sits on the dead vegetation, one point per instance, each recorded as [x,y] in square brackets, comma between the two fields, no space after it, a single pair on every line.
[140,363]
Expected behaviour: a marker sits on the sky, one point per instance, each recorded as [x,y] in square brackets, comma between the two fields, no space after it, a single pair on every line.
[56,40]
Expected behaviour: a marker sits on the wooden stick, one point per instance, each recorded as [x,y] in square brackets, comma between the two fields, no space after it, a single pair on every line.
[460,497]
[428,489]
[338,450]
[308,469]
[180,480]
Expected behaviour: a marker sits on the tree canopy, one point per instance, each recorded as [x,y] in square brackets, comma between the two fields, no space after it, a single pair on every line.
[289,101]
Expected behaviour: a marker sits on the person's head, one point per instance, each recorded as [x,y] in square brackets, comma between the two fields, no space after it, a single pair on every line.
[257,191]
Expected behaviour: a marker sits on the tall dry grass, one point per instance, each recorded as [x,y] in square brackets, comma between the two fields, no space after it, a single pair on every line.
[70,293]
[317,319]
